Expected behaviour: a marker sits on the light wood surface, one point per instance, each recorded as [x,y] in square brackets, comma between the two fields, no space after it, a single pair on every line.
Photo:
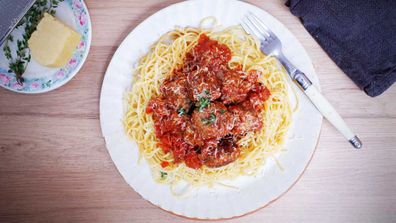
[54,166]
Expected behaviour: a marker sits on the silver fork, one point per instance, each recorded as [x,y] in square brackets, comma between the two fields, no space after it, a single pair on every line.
[271,45]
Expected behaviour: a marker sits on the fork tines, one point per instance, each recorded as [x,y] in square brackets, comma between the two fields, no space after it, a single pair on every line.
[255,26]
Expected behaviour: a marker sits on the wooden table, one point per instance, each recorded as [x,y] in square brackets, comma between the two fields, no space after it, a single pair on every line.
[54,166]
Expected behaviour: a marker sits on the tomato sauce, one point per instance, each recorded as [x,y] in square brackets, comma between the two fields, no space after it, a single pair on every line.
[205,107]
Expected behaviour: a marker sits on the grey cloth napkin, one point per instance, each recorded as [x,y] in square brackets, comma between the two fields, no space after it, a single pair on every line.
[358,35]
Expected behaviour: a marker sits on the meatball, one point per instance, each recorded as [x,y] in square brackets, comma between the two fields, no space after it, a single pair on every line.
[204,84]
[193,137]
[209,54]
[237,85]
[158,107]
[257,97]
[173,123]
[212,122]
[216,154]
[245,120]
[175,91]
[204,66]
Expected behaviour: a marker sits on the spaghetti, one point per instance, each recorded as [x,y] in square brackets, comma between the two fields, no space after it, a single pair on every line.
[168,54]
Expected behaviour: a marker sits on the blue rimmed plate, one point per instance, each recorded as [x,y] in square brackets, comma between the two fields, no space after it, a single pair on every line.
[40,79]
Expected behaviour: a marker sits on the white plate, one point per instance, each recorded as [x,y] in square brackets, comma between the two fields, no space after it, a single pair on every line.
[205,203]
[40,79]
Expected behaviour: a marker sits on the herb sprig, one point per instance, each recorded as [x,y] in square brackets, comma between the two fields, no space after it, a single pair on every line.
[203,101]
[163,174]
[19,60]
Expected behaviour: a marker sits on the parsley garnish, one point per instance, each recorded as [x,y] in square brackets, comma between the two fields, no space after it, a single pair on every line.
[222,111]
[163,174]
[203,100]
[30,21]
[202,103]
[181,111]
[210,120]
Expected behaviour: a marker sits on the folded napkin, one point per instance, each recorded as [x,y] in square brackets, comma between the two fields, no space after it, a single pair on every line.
[358,35]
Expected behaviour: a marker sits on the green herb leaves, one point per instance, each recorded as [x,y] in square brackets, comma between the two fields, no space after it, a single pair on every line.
[163,175]
[29,22]
[210,120]
[7,51]
[204,101]
[181,111]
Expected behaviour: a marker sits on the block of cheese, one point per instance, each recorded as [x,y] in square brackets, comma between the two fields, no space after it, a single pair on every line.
[53,43]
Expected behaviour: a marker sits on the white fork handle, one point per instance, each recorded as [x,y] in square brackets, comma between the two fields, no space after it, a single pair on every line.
[320,102]
[328,111]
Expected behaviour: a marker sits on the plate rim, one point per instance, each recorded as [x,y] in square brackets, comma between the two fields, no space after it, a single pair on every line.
[75,71]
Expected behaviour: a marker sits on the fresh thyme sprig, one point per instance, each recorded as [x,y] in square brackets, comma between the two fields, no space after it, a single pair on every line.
[29,22]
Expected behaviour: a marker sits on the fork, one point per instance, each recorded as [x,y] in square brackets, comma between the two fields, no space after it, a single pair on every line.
[271,45]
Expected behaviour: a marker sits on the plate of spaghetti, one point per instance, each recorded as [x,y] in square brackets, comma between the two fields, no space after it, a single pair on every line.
[198,120]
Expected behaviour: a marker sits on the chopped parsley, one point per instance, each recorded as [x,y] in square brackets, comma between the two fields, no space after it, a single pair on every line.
[202,103]
[163,174]
[210,120]
[181,111]
[222,111]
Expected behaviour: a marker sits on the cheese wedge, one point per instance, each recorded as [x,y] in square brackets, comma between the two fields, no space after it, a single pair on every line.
[53,43]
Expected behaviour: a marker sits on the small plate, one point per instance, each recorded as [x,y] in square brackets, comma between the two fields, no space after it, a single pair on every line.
[40,79]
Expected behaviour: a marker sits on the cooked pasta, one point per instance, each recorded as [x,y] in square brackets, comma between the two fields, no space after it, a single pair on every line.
[255,147]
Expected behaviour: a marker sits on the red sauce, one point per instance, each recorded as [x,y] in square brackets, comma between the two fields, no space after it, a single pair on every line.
[164,164]
[205,106]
